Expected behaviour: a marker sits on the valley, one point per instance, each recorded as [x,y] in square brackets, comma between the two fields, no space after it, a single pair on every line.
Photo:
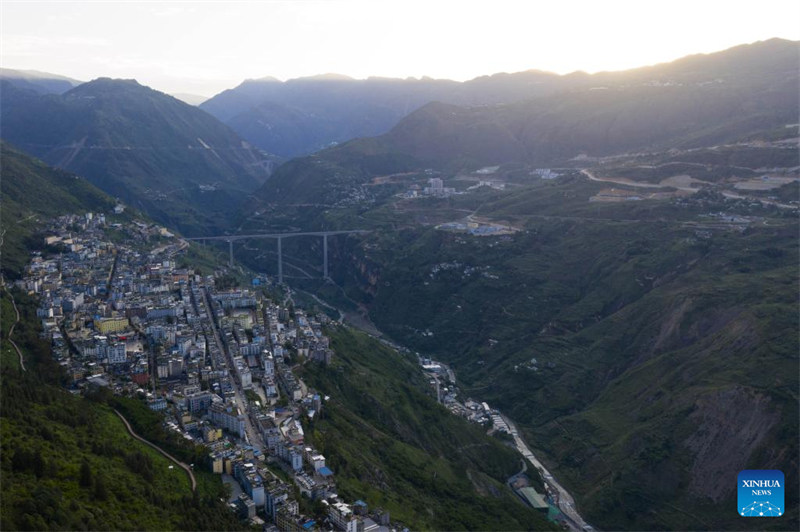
[605,296]
[527,301]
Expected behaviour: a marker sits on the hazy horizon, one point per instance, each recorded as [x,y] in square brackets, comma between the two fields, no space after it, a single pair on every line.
[204,48]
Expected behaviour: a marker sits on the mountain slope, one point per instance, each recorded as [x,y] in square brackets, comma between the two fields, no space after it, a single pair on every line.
[645,343]
[304,115]
[647,349]
[40,82]
[67,462]
[391,443]
[696,102]
[147,148]
[29,189]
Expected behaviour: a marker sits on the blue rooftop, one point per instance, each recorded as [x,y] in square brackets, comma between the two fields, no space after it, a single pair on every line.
[309,524]
[325,472]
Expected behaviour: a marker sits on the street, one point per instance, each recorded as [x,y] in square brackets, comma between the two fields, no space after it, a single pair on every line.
[564,500]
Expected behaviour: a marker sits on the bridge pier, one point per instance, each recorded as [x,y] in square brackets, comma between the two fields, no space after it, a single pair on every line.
[324,256]
[280,262]
[279,236]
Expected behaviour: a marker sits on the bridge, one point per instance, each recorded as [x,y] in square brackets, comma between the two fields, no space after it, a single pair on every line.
[279,237]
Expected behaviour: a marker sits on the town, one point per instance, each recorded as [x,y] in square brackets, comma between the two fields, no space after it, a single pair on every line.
[217,362]
[123,311]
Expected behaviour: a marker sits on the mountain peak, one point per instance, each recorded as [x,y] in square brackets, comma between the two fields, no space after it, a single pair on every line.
[325,77]
[265,79]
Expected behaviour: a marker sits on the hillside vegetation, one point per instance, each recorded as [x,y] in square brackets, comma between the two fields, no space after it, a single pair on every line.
[392,445]
[158,154]
[666,351]
[648,349]
[31,191]
[68,463]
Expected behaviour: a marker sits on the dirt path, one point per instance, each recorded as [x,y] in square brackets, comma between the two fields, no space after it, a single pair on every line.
[160,450]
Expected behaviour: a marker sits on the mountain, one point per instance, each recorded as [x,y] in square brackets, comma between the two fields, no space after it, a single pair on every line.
[637,316]
[68,462]
[191,99]
[304,115]
[172,160]
[385,435]
[30,191]
[41,82]
[695,102]
[648,354]
[646,347]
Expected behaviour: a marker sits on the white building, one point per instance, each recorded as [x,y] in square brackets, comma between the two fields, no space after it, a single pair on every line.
[116,353]
[269,364]
[227,417]
[318,461]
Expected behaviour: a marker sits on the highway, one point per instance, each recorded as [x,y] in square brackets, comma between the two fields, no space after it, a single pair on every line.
[564,500]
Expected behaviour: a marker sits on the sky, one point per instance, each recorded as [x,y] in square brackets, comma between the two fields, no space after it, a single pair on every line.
[204,47]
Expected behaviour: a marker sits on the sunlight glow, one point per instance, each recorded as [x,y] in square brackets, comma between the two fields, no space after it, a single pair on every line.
[205,47]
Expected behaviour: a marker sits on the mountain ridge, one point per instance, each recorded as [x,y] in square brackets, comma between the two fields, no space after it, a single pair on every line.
[562,128]
[41,82]
[148,148]
[334,111]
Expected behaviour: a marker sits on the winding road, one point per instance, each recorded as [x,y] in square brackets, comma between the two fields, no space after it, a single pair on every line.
[160,450]
[11,331]
[729,195]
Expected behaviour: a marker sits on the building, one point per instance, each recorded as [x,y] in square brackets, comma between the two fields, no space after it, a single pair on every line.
[111,325]
[269,365]
[211,434]
[251,482]
[318,461]
[343,518]
[217,463]
[289,522]
[296,459]
[533,499]
[228,417]
[116,353]
[246,507]
[157,404]
[198,401]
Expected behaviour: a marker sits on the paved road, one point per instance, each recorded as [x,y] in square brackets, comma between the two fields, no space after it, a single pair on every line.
[253,436]
[160,450]
[565,501]
[731,195]
[11,331]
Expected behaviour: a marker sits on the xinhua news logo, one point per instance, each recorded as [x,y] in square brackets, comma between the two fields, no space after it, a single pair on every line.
[761,493]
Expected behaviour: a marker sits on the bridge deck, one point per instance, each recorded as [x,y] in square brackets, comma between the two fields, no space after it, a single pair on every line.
[228,238]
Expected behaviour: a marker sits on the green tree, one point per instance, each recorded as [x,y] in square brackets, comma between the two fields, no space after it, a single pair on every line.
[85,475]
[100,491]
